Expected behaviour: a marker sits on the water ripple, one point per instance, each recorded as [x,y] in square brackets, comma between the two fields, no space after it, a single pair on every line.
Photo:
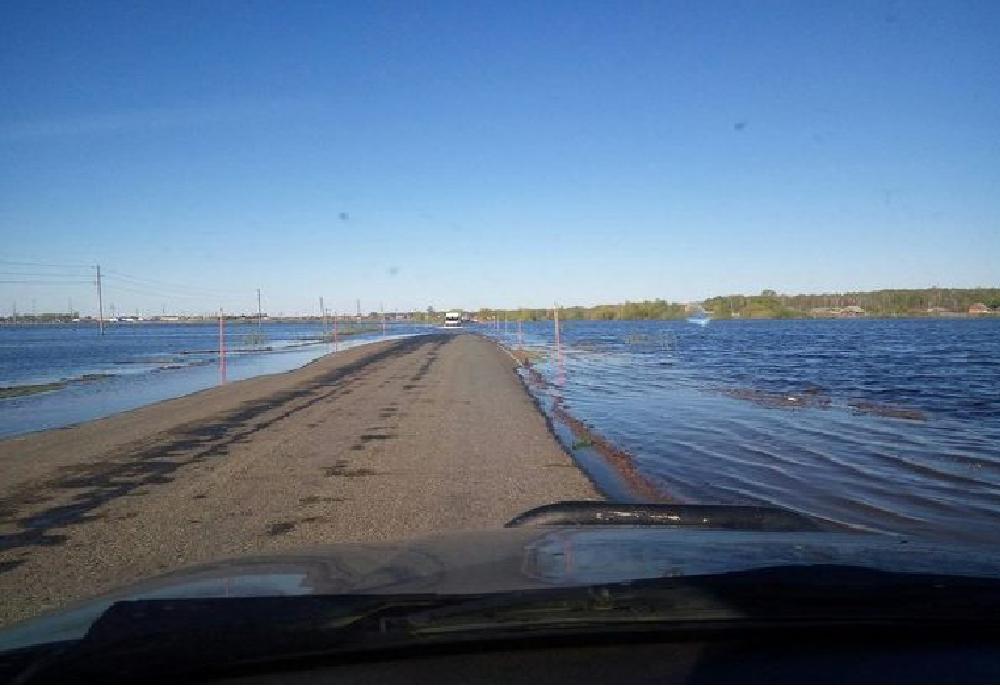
[887,424]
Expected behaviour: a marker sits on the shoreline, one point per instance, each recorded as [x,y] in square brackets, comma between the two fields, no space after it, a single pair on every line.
[16,391]
[610,468]
[383,441]
[134,382]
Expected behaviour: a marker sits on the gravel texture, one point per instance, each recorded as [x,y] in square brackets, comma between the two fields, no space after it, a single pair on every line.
[383,442]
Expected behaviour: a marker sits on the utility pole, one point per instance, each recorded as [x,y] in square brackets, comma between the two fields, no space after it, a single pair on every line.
[100,301]
[222,346]
[359,308]
[381,309]
[322,313]
[555,317]
[260,315]
[560,368]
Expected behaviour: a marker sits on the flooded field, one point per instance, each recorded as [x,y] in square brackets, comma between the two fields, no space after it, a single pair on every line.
[56,375]
[888,424]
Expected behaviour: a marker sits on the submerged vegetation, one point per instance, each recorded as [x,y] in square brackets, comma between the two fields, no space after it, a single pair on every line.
[17,391]
[13,392]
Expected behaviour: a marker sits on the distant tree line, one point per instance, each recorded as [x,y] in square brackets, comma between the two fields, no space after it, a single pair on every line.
[884,302]
[655,310]
[767,304]
[771,304]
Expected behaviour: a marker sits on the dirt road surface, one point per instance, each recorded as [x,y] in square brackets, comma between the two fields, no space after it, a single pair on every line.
[387,441]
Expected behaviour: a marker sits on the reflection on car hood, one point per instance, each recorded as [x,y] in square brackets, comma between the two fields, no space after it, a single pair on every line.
[518,559]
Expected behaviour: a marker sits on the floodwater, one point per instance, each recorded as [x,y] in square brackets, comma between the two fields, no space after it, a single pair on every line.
[137,364]
[892,425]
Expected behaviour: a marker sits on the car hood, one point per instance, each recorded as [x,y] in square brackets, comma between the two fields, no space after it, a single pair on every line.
[517,559]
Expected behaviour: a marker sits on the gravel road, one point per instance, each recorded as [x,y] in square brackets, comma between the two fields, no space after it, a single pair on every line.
[387,441]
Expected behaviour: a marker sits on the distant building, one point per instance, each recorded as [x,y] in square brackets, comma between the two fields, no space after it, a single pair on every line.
[979,309]
[837,312]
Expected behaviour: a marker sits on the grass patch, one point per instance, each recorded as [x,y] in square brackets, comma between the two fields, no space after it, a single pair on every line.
[580,443]
[254,339]
[13,392]
[527,358]
[97,376]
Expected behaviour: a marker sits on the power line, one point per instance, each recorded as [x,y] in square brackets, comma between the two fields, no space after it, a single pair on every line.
[150,290]
[40,264]
[33,274]
[159,283]
[167,294]
[137,282]
[44,282]
[60,274]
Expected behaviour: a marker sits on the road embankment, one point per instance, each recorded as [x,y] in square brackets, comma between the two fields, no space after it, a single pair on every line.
[381,442]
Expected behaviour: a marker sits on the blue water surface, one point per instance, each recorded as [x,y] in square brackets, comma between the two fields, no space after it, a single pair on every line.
[887,424]
[132,365]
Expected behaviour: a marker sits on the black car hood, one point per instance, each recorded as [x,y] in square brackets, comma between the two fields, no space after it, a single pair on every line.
[518,559]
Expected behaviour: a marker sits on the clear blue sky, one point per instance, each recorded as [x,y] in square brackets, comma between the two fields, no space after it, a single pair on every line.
[504,153]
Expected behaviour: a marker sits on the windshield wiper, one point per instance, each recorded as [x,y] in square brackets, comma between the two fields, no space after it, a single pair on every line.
[683,516]
[169,639]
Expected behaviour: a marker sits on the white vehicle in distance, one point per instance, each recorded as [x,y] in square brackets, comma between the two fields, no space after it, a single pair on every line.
[453,319]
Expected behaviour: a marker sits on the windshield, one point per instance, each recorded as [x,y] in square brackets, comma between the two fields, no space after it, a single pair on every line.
[338,277]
